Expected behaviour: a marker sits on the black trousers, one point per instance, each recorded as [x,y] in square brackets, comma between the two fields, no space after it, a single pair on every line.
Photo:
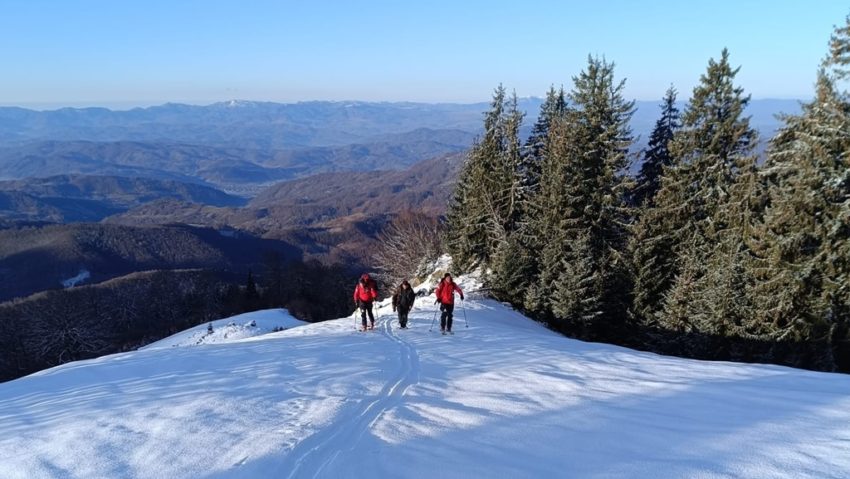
[446,317]
[402,317]
[366,307]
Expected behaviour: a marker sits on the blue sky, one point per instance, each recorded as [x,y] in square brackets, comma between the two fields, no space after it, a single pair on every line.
[126,53]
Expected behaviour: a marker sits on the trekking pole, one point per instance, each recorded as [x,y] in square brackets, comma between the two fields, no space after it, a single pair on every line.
[355,318]
[463,306]
[432,321]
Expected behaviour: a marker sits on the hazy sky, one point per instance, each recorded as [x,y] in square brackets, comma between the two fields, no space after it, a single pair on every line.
[125,53]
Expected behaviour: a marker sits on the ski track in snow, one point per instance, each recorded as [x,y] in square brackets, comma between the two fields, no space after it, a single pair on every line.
[309,458]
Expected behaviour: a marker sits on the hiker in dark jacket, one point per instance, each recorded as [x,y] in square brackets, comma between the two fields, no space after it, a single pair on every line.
[403,302]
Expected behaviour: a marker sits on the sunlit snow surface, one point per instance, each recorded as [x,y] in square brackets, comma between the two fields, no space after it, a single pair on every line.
[503,398]
[231,329]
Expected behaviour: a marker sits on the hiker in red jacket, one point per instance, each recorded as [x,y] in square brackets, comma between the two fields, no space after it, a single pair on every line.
[365,293]
[446,297]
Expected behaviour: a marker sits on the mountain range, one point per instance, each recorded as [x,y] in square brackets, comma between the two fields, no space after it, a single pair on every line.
[239,170]
[258,125]
[275,126]
[242,147]
[76,198]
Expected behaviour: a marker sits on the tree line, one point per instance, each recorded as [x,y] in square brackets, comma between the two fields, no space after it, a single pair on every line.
[709,252]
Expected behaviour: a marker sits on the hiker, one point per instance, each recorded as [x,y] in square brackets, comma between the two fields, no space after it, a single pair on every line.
[365,293]
[403,302]
[446,297]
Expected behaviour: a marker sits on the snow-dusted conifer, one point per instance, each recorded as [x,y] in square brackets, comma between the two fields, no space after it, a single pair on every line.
[581,202]
[709,151]
[485,208]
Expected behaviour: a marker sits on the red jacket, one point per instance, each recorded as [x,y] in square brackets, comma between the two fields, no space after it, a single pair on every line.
[367,292]
[446,293]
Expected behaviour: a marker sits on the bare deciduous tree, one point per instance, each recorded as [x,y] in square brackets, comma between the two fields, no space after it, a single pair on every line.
[408,243]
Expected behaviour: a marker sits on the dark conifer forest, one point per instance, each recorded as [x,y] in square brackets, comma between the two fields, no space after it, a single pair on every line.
[711,251]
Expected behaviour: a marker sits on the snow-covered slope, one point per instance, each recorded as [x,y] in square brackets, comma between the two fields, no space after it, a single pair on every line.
[503,398]
[231,329]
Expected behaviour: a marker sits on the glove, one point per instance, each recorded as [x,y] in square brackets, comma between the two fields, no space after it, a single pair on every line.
[436,301]
[393,309]
[358,303]
[461,296]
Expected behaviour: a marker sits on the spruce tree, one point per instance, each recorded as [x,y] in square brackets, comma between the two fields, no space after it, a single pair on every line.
[555,106]
[657,155]
[838,60]
[580,207]
[804,267]
[485,208]
[714,140]
[464,235]
[467,215]
[547,218]
[709,151]
[517,265]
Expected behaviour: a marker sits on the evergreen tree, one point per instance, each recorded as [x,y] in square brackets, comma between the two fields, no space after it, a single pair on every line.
[578,293]
[657,156]
[464,237]
[466,234]
[547,221]
[516,266]
[485,208]
[579,208]
[555,106]
[839,51]
[712,148]
[804,293]
[714,141]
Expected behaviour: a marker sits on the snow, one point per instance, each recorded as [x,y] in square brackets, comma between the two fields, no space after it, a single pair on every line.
[503,397]
[231,329]
[83,275]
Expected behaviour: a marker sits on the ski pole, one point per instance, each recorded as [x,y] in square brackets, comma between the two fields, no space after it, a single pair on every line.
[463,306]
[432,321]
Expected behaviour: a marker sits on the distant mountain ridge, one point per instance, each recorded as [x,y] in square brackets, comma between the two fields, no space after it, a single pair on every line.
[240,170]
[262,125]
[74,198]
[316,199]
[241,147]
[267,125]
